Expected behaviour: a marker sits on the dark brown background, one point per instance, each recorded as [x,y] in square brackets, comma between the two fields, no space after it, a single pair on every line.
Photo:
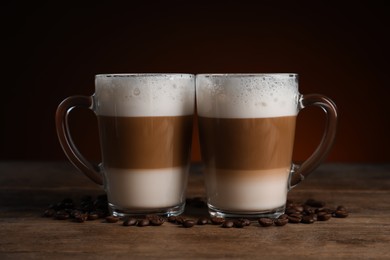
[52,51]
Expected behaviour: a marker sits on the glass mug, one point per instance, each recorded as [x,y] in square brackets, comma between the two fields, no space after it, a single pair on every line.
[145,126]
[247,128]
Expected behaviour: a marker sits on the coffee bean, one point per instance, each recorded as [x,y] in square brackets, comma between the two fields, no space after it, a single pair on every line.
[307,210]
[294,218]
[217,220]
[341,214]
[172,219]
[130,222]
[239,223]
[323,216]
[157,221]
[281,221]
[81,218]
[143,222]
[203,221]
[315,203]
[179,220]
[290,211]
[266,222]
[75,213]
[246,221]
[298,208]
[62,215]
[48,213]
[93,215]
[341,208]
[228,224]
[307,220]
[188,223]
[112,219]
[326,210]
[283,216]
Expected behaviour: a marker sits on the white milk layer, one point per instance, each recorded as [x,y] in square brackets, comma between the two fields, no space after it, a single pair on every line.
[247,95]
[146,189]
[255,191]
[144,94]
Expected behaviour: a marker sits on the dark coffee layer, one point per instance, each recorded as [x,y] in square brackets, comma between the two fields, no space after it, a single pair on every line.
[145,142]
[247,143]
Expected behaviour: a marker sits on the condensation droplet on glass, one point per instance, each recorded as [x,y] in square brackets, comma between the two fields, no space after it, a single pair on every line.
[136,91]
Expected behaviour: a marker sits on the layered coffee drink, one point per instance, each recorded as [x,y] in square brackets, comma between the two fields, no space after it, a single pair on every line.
[145,125]
[247,127]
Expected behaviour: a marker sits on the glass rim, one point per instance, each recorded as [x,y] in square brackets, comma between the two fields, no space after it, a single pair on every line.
[245,75]
[135,75]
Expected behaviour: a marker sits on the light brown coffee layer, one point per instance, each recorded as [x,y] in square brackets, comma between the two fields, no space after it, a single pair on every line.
[247,143]
[145,142]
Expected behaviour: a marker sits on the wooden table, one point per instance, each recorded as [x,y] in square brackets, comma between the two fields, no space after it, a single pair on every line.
[27,188]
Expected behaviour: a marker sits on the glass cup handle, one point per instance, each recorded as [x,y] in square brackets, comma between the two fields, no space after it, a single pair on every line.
[77,159]
[300,171]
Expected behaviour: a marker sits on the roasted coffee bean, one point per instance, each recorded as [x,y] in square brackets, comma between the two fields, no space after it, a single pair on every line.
[81,218]
[75,213]
[298,208]
[323,216]
[266,222]
[188,223]
[341,208]
[62,215]
[48,213]
[340,214]
[67,204]
[315,203]
[143,222]
[217,220]
[281,221]
[307,220]
[93,215]
[112,219]
[307,210]
[290,211]
[284,216]
[326,210]
[228,224]
[179,220]
[129,221]
[157,221]
[294,218]
[239,223]
[202,221]
[246,221]
[172,219]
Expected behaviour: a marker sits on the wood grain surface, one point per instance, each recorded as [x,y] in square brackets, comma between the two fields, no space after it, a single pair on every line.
[27,188]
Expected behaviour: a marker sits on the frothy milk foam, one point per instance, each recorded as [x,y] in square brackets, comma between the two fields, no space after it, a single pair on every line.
[145,96]
[240,97]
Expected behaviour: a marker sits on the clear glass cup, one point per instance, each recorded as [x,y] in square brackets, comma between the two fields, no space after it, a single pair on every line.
[145,126]
[247,127]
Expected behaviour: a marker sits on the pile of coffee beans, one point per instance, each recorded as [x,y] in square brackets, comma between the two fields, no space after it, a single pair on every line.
[91,209]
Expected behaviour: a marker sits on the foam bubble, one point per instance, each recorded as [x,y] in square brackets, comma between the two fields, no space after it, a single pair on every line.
[144,94]
[247,95]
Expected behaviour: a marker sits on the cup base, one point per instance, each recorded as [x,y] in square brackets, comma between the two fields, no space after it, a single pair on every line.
[164,212]
[272,213]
